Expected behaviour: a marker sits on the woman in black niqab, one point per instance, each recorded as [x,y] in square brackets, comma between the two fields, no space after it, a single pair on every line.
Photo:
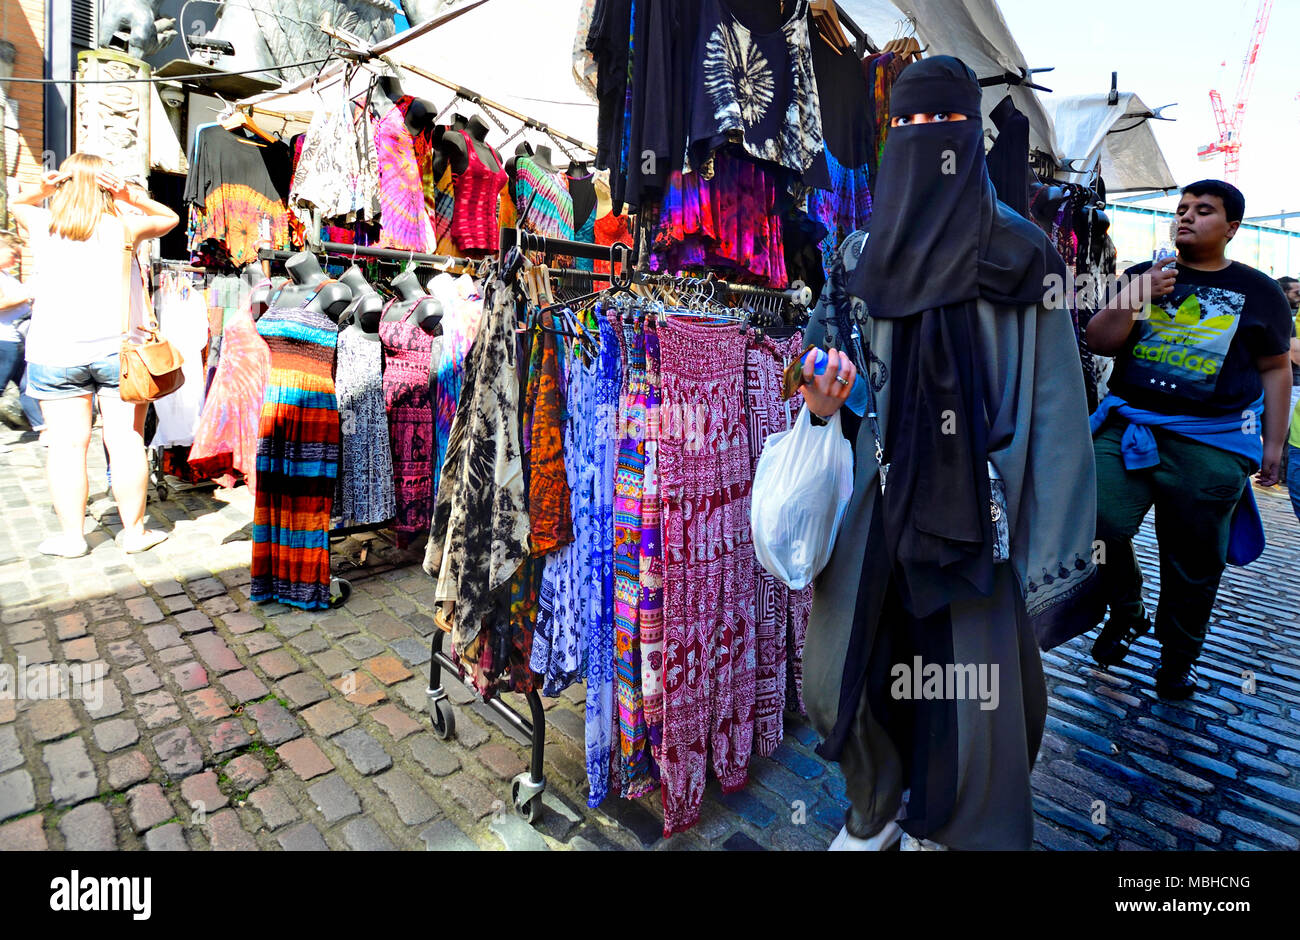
[973,373]
[940,240]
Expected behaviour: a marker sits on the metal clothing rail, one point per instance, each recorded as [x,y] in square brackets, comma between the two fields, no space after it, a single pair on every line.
[620,257]
[340,250]
[355,52]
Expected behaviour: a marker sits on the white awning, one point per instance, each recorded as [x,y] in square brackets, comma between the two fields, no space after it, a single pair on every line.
[971,30]
[515,52]
[1118,137]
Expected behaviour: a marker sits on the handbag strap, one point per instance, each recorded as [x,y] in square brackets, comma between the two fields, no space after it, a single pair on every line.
[873,415]
[150,324]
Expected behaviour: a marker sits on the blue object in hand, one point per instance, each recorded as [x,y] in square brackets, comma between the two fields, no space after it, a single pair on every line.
[857,400]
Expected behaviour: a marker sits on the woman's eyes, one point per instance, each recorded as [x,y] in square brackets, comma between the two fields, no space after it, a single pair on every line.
[903,121]
[941,116]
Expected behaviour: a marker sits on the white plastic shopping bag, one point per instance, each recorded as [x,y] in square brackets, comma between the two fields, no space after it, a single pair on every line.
[801,489]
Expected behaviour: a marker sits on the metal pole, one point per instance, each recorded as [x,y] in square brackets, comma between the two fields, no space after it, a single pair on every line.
[476,98]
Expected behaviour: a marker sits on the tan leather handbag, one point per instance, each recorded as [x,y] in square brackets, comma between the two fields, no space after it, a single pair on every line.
[151,369]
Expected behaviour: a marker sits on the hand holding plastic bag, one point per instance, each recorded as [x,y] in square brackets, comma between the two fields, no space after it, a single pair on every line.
[801,489]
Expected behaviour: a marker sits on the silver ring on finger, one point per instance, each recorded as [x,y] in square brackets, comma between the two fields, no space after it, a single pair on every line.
[842,380]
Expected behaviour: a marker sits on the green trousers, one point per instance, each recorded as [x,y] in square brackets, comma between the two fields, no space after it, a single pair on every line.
[1194,489]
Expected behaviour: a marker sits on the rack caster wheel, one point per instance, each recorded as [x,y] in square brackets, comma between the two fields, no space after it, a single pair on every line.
[444,719]
[163,492]
[527,797]
[344,589]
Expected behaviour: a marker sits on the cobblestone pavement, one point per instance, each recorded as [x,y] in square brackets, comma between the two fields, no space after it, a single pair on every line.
[226,725]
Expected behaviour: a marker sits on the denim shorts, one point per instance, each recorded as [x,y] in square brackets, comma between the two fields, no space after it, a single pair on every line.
[45,383]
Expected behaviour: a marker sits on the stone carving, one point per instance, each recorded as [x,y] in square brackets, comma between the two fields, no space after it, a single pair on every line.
[113,119]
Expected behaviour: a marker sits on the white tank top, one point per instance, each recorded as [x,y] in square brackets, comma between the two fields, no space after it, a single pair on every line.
[77,291]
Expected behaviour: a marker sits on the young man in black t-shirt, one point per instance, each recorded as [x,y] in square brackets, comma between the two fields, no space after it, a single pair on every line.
[1199,343]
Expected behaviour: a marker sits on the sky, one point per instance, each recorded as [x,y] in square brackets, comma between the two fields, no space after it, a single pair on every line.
[1178,51]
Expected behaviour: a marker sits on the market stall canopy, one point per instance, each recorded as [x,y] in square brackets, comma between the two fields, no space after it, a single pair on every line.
[973,31]
[1118,137]
[515,52]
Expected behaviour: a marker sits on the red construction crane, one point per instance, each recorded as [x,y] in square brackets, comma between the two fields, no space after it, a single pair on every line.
[1229,124]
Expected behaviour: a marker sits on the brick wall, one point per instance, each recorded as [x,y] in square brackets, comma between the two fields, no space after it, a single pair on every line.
[22,22]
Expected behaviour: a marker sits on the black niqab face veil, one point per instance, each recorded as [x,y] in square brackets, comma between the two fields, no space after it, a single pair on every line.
[939,235]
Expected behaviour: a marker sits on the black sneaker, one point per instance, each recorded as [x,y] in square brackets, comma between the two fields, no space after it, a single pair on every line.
[1112,644]
[1176,679]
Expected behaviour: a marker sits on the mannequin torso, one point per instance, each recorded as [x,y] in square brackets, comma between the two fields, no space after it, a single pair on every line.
[329,298]
[523,150]
[362,314]
[450,146]
[413,301]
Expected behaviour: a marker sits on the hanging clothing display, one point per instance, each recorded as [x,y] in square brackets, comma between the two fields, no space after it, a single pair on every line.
[708,606]
[462,308]
[474,222]
[564,593]
[182,313]
[549,511]
[339,177]
[780,614]
[226,439]
[650,611]
[479,535]
[757,89]
[404,217]
[608,230]
[542,200]
[881,70]
[409,401]
[237,191]
[297,460]
[1008,158]
[600,711]
[366,479]
[440,203]
[847,128]
[727,222]
[629,481]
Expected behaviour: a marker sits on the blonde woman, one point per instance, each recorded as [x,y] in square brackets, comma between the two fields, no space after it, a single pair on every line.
[75,336]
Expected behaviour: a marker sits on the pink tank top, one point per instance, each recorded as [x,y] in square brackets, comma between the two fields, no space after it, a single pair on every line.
[474,223]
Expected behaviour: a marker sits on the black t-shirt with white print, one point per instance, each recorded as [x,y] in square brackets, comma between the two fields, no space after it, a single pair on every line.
[1194,352]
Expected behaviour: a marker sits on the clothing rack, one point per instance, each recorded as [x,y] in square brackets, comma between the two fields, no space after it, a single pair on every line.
[618,252]
[164,264]
[340,250]
[527,788]
[797,295]
[163,490]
